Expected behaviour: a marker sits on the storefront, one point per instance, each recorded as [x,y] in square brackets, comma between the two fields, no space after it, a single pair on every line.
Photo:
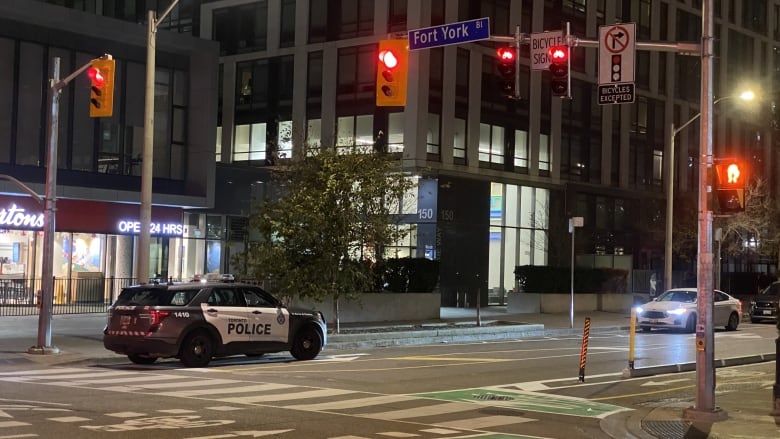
[94,241]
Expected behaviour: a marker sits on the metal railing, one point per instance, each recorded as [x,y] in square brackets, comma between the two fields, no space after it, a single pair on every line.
[19,296]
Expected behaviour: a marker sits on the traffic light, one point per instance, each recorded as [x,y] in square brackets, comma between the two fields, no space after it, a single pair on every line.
[101,94]
[559,69]
[391,73]
[731,177]
[507,70]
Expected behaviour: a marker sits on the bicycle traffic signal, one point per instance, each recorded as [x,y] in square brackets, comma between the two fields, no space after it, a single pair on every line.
[731,178]
[101,95]
[506,63]
[560,70]
[391,73]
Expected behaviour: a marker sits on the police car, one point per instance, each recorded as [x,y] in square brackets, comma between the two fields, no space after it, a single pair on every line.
[197,321]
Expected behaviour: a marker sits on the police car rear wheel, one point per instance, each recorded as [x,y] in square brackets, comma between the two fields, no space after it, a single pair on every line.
[307,344]
[197,349]
[141,359]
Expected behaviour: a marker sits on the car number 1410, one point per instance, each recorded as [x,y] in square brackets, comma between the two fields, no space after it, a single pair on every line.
[183,314]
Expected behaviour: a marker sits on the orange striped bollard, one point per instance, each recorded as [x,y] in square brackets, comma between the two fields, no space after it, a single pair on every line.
[584,352]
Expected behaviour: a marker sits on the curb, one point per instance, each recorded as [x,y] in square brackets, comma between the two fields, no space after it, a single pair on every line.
[690,367]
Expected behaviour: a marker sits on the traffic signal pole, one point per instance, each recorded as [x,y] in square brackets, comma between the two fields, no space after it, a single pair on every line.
[46,293]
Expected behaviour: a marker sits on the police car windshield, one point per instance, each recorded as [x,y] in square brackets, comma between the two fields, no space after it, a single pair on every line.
[154,297]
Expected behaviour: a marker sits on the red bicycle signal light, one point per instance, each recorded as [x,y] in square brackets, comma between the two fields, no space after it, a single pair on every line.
[559,69]
[559,54]
[507,70]
[506,54]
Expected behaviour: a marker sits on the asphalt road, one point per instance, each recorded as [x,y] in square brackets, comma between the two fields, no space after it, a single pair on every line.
[507,389]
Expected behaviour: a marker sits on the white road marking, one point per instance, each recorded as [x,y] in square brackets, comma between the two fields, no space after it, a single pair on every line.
[417,412]
[320,393]
[352,403]
[483,422]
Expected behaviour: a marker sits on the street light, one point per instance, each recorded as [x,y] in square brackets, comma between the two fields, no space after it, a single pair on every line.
[747,95]
[144,236]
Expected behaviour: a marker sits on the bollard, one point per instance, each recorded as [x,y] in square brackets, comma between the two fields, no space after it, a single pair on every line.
[584,353]
[631,339]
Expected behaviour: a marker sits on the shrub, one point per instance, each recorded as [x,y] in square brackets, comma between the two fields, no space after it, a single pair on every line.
[402,275]
[542,279]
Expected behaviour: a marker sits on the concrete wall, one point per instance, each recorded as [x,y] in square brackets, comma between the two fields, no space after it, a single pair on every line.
[525,303]
[380,307]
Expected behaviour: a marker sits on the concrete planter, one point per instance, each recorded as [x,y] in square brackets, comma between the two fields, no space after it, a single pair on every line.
[529,303]
[380,307]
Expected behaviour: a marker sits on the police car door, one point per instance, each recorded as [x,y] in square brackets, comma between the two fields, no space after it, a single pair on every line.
[225,309]
[272,321]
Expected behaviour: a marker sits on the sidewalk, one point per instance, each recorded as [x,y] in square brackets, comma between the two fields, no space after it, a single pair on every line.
[79,338]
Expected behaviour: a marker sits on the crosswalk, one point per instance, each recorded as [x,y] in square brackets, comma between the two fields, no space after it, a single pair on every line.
[447,416]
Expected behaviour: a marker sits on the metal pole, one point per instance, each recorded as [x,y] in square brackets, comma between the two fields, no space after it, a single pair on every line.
[571,305]
[144,236]
[49,213]
[705,349]
[669,210]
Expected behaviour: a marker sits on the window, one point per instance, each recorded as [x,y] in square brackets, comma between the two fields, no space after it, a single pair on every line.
[287,30]
[658,162]
[459,141]
[355,133]
[218,152]
[355,80]
[334,20]
[521,149]
[250,142]
[491,143]
[314,133]
[544,152]
[395,132]
[284,141]
[396,17]
[241,29]
[433,140]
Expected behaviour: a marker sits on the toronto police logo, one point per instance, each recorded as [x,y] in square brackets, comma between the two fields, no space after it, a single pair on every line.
[280,319]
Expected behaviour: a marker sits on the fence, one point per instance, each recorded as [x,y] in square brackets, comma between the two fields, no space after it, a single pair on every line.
[19,296]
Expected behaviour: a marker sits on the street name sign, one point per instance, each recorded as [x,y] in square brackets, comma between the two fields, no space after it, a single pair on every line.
[540,45]
[617,55]
[452,33]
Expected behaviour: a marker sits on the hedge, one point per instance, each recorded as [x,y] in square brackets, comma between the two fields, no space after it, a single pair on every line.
[543,279]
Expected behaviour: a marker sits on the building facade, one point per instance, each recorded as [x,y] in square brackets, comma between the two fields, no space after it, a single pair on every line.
[98,182]
[498,179]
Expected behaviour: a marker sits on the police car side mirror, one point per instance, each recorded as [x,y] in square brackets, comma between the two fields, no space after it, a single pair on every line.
[284,302]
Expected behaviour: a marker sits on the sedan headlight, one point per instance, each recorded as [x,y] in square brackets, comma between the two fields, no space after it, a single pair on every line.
[678,311]
[639,310]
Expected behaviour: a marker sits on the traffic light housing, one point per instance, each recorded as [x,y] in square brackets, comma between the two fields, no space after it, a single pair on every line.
[391,73]
[731,178]
[559,71]
[506,63]
[101,92]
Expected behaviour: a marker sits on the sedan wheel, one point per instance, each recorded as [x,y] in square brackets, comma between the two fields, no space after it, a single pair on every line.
[733,322]
[690,324]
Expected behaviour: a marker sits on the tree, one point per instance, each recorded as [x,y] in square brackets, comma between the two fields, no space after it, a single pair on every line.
[329,222]
[757,222]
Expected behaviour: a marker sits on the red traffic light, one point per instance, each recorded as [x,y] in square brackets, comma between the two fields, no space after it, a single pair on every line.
[559,54]
[506,54]
[96,77]
[388,59]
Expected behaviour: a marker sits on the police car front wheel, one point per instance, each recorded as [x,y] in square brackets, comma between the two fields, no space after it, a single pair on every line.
[307,344]
[197,349]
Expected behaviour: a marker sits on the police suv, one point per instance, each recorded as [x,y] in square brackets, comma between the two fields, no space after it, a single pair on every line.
[197,321]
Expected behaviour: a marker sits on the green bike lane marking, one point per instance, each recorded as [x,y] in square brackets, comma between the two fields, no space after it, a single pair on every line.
[529,401]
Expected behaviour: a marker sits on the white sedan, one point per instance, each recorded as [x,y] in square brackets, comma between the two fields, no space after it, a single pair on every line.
[676,309]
